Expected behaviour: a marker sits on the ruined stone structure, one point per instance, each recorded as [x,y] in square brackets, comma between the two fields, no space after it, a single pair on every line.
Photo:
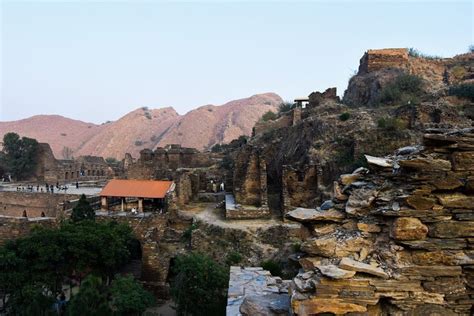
[250,186]
[35,204]
[316,98]
[300,187]
[17,227]
[82,168]
[254,291]
[376,59]
[171,157]
[396,239]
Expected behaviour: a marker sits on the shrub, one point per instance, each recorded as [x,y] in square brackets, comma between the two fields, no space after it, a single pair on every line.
[344,116]
[138,143]
[233,258]
[187,234]
[413,52]
[148,115]
[404,87]
[464,90]
[391,124]
[272,266]
[285,107]
[296,247]
[458,72]
[269,116]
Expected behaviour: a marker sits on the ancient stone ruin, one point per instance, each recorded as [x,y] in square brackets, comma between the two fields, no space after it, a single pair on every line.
[397,238]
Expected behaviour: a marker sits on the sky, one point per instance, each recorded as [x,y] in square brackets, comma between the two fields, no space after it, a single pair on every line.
[97,61]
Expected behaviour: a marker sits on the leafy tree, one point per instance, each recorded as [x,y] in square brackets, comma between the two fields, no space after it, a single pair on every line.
[285,107]
[91,299]
[272,266]
[20,155]
[129,297]
[464,90]
[82,211]
[32,299]
[200,285]
[269,116]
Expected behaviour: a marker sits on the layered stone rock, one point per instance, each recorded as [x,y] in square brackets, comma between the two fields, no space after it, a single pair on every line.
[404,244]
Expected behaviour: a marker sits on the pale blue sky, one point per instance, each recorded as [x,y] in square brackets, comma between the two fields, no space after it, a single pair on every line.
[96,61]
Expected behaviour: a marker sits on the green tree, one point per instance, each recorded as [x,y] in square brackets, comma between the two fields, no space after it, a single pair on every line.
[200,285]
[20,155]
[128,297]
[91,299]
[285,107]
[82,211]
[269,116]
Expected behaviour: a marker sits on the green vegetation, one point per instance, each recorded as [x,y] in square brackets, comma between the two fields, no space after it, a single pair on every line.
[111,160]
[285,107]
[391,124]
[413,52]
[269,116]
[233,258]
[403,89]
[272,266]
[34,269]
[82,211]
[200,285]
[138,143]
[458,72]
[20,155]
[344,116]
[296,247]
[465,90]
[187,234]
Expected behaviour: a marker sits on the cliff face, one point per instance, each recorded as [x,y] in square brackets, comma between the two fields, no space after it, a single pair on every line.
[146,128]
[396,238]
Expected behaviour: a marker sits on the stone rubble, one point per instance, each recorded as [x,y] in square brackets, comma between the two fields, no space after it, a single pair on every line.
[402,242]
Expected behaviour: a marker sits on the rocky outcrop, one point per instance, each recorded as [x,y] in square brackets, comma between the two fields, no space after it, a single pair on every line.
[404,244]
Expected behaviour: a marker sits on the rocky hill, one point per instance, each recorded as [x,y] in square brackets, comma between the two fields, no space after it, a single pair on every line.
[146,128]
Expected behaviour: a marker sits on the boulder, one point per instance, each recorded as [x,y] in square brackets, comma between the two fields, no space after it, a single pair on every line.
[347,179]
[463,161]
[312,215]
[352,265]
[328,204]
[360,200]
[380,162]
[263,305]
[408,228]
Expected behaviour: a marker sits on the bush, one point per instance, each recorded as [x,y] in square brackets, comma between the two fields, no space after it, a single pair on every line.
[269,116]
[391,124]
[272,266]
[233,258]
[200,285]
[404,87]
[413,52]
[285,107]
[458,72]
[138,143]
[464,90]
[344,116]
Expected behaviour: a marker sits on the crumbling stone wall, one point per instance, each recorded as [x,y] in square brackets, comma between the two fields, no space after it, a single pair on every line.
[14,203]
[300,187]
[396,239]
[376,59]
[51,170]
[250,178]
[17,227]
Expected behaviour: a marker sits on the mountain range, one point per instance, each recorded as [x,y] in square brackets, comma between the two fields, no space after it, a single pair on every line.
[142,128]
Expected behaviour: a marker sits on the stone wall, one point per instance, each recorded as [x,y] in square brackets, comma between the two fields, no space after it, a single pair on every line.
[14,203]
[51,170]
[250,178]
[265,126]
[17,227]
[300,187]
[376,59]
[397,239]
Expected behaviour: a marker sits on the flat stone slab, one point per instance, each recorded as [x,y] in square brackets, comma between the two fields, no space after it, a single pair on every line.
[334,272]
[311,215]
[350,264]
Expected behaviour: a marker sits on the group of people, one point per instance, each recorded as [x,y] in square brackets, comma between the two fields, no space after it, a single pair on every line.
[48,188]
[216,187]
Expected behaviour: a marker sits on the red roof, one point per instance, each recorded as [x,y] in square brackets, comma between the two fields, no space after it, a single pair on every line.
[137,188]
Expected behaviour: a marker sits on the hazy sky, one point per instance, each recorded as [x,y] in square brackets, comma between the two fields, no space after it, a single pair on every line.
[96,61]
